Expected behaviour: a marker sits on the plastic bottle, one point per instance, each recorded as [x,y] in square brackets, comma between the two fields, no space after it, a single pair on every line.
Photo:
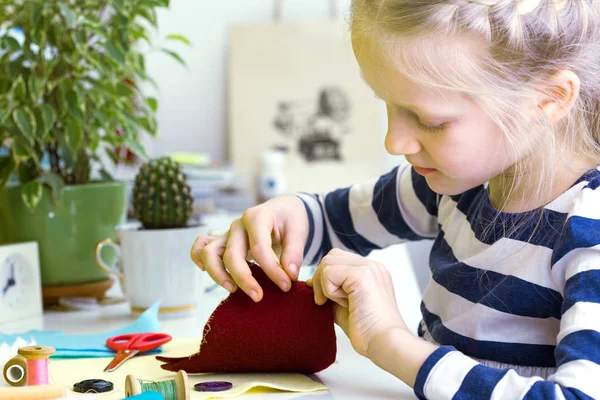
[272,182]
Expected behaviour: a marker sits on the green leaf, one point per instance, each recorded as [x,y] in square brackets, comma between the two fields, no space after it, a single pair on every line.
[115,52]
[48,117]
[65,152]
[31,193]
[27,170]
[37,11]
[79,37]
[149,14]
[123,89]
[105,176]
[36,88]
[7,166]
[138,32]
[74,135]
[94,142]
[18,89]
[4,114]
[25,121]
[61,96]
[10,43]
[179,38]
[51,65]
[37,22]
[21,150]
[67,12]
[137,148]
[74,104]
[56,184]
[129,125]
[139,64]
[148,122]
[118,5]
[152,103]
[83,20]
[174,55]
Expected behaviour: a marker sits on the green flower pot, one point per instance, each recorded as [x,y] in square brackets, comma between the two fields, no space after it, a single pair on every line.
[68,231]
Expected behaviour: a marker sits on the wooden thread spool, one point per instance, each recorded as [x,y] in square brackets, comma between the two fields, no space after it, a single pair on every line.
[37,363]
[15,371]
[40,392]
[133,387]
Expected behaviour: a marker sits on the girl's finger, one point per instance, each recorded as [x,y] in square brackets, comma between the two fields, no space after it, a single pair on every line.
[333,289]
[199,244]
[341,315]
[259,227]
[235,259]
[320,298]
[211,257]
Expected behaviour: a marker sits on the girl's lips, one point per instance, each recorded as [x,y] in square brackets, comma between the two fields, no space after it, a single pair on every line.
[424,171]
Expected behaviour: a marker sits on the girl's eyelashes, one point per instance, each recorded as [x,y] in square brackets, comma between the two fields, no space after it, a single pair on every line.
[428,128]
[415,119]
[424,127]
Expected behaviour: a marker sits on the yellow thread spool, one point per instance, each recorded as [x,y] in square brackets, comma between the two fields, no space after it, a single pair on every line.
[15,371]
[40,392]
[133,387]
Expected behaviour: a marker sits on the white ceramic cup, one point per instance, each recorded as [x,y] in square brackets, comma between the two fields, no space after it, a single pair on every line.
[156,265]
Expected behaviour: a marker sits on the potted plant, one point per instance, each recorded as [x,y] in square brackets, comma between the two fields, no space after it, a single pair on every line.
[155,263]
[71,74]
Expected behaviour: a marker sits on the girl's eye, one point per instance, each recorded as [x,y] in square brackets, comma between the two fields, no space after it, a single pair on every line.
[428,128]
[423,127]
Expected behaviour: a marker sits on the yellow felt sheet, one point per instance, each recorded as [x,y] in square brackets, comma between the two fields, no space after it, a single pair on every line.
[67,372]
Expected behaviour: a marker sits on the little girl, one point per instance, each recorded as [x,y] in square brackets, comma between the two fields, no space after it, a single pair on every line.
[496,106]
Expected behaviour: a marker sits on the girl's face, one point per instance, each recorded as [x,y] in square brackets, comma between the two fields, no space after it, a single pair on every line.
[445,135]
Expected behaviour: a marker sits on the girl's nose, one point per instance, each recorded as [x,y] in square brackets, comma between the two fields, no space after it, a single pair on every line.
[400,140]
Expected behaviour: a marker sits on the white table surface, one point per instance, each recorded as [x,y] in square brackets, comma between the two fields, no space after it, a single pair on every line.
[350,377]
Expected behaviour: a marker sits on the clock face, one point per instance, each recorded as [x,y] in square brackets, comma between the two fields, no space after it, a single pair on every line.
[15,282]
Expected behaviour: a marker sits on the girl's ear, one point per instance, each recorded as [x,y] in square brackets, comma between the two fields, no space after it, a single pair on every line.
[559,96]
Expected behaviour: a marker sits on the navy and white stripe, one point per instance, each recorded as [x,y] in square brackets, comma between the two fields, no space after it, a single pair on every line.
[517,290]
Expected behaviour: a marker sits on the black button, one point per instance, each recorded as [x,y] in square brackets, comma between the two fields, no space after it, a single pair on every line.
[93,385]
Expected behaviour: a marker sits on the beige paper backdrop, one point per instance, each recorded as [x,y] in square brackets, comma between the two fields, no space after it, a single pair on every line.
[293,83]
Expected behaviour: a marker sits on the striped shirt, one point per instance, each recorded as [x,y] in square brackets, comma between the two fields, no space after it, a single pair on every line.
[511,294]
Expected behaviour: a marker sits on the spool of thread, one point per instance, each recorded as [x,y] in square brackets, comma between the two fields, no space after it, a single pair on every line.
[37,363]
[176,389]
[15,371]
[40,392]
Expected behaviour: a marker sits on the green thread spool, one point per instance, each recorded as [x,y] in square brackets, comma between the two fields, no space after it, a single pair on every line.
[176,389]
[167,388]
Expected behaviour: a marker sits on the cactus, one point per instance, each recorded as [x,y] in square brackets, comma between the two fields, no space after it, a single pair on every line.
[162,198]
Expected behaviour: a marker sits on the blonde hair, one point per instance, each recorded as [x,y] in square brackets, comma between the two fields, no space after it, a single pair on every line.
[521,44]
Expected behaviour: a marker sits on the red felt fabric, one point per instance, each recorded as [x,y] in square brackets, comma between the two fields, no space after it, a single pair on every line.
[284,332]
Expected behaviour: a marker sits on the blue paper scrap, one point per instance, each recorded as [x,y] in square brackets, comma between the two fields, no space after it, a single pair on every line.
[88,345]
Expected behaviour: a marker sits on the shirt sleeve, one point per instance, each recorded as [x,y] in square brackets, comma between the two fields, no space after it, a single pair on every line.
[449,374]
[397,207]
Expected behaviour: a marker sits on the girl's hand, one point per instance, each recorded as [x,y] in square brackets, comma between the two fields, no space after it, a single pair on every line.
[273,233]
[364,295]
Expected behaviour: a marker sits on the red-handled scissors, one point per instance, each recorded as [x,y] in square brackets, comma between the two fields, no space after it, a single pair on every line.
[129,345]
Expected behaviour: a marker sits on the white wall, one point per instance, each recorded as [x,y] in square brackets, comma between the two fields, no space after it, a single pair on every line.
[192,113]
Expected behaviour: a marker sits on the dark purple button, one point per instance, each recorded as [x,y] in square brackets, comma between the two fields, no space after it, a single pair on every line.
[214,386]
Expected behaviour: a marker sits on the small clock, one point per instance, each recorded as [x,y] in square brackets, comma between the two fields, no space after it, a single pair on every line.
[20,283]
